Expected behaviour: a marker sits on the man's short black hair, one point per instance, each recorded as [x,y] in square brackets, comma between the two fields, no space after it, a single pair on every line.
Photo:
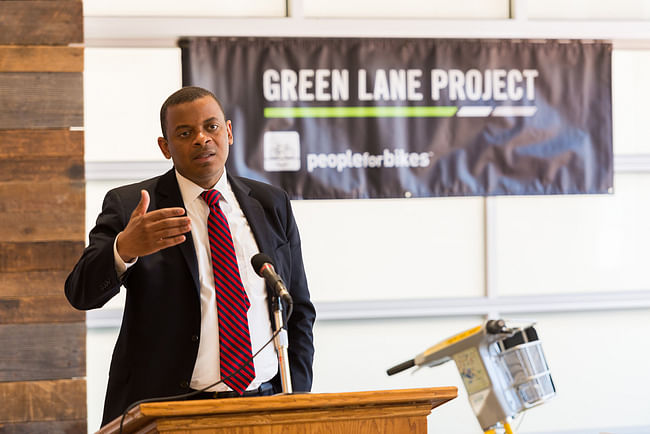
[183,95]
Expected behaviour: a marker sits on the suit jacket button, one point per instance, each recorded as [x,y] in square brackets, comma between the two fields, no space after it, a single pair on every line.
[195,338]
[185,384]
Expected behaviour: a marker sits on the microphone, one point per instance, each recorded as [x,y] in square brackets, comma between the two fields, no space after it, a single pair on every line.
[263,266]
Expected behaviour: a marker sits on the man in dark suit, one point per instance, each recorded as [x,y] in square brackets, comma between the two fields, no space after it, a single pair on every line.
[151,237]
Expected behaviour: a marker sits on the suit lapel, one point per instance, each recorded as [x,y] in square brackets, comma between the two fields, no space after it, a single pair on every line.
[168,195]
[254,213]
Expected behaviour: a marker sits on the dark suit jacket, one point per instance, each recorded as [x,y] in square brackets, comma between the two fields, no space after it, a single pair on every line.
[158,342]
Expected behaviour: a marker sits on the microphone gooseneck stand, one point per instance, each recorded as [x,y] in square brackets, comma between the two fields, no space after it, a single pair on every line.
[281,342]
[263,266]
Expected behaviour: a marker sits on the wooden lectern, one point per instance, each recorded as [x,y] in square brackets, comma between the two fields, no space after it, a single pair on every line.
[383,411]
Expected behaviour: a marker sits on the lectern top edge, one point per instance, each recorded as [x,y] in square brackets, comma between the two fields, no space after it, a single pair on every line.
[144,414]
[432,395]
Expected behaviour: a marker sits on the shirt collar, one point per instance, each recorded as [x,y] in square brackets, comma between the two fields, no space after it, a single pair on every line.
[190,191]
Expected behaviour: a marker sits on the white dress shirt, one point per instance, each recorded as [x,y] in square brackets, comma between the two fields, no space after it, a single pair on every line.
[206,368]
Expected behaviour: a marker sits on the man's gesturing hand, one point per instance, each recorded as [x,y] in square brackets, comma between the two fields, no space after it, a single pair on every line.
[150,232]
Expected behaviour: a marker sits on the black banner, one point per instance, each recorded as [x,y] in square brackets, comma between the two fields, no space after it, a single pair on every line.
[386,118]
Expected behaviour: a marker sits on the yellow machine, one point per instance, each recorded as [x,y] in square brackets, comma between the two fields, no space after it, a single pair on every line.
[503,368]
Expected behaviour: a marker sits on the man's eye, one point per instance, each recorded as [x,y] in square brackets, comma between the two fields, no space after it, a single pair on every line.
[184,134]
[213,126]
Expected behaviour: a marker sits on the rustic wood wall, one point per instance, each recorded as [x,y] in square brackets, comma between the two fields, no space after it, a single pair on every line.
[42,202]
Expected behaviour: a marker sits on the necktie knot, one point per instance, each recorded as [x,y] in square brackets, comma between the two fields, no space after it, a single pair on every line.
[211,197]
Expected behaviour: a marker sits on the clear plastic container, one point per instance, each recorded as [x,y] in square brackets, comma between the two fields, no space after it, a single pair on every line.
[526,373]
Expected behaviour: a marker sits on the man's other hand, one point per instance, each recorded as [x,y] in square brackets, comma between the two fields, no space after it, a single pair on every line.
[150,232]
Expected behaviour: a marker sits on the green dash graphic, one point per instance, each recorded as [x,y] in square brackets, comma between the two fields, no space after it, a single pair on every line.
[360,112]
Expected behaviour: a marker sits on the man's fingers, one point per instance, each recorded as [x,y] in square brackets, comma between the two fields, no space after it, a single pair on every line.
[142,206]
[171,241]
[172,232]
[172,222]
[164,213]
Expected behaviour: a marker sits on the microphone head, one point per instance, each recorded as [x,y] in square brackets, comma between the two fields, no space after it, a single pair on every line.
[258,262]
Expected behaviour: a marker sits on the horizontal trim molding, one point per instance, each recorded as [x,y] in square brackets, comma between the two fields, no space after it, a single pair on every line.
[132,170]
[125,170]
[446,307]
[161,31]
[384,309]
[632,163]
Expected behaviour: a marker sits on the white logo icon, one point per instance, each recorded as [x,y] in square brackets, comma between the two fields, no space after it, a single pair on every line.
[281,151]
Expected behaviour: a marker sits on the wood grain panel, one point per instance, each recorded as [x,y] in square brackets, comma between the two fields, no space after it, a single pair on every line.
[42,143]
[41,99]
[42,401]
[39,169]
[41,22]
[33,283]
[41,59]
[398,419]
[42,200]
[42,351]
[38,309]
[25,256]
[62,427]
[43,211]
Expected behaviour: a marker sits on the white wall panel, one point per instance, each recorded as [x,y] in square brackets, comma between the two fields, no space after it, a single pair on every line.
[485,9]
[392,249]
[99,345]
[123,91]
[569,244]
[588,9]
[630,95]
[198,8]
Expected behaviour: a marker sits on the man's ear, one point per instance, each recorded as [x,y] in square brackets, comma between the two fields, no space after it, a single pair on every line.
[164,147]
[229,129]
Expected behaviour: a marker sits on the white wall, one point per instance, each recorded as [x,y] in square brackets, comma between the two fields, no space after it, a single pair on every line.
[445,248]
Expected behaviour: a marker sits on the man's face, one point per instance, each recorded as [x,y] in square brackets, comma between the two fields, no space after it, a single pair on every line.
[198,138]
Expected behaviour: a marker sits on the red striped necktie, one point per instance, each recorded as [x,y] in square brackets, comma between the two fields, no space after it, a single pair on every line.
[232,301]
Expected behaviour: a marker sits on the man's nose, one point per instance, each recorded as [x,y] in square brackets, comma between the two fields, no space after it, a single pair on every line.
[201,138]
